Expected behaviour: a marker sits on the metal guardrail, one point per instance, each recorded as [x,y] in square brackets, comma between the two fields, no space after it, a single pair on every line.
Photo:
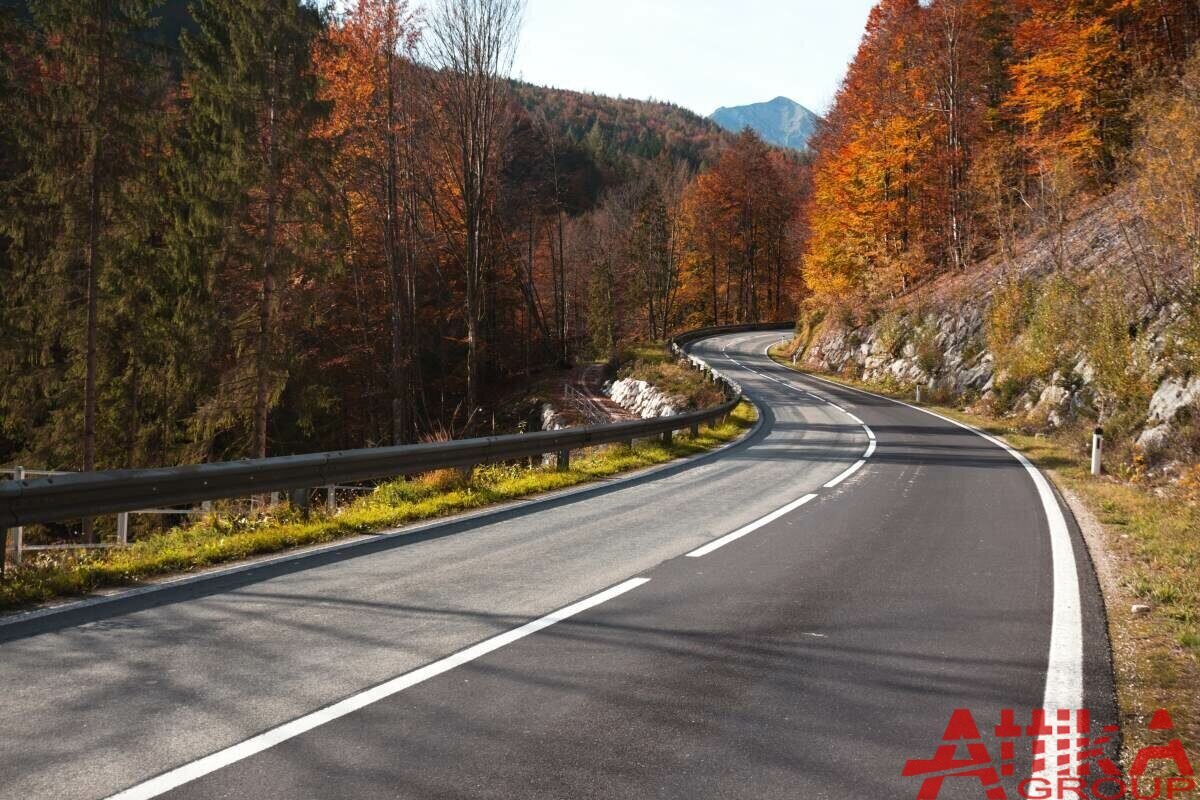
[61,498]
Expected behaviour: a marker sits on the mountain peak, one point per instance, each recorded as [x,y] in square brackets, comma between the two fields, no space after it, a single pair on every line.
[782,121]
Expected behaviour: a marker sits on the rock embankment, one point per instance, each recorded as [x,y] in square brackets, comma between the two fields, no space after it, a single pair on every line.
[945,353]
[641,398]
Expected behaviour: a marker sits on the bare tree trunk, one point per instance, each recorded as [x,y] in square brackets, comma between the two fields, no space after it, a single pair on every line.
[953,20]
[267,296]
[401,422]
[91,345]
[564,354]
[716,308]
[472,46]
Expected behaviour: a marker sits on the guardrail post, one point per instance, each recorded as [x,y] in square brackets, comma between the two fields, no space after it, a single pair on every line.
[563,461]
[18,534]
[331,500]
[302,499]
[666,438]
[123,529]
[695,430]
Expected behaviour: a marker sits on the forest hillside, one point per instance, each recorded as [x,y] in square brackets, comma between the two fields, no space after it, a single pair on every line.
[235,228]
[1003,213]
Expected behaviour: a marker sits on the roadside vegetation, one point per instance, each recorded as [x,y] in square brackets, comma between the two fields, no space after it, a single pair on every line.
[222,538]
[1150,559]
[652,363]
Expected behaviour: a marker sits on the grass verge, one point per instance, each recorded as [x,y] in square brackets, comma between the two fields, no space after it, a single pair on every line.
[220,539]
[1149,542]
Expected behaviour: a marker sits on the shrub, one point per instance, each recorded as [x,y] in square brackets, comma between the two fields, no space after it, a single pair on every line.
[1008,391]
[891,332]
[1118,358]
[1032,329]
[1007,315]
[929,355]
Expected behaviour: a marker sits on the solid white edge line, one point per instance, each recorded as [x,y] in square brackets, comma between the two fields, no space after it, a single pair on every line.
[264,741]
[1064,668]
[716,544]
[857,466]
[871,448]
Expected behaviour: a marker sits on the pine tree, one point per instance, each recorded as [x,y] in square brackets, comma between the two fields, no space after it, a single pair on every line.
[251,96]
[83,84]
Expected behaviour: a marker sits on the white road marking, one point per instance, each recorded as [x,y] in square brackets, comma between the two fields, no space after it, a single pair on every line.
[751,528]
[1064,668]
[264,741]
[859,465]
[870,433]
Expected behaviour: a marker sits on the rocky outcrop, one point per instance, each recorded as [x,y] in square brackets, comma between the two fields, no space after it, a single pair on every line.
[1173,397]
[938,351]
[641,398]
[945,353]
[552,419]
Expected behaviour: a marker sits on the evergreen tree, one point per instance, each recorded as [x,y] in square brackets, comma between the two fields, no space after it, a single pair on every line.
[243,186]
[79,85]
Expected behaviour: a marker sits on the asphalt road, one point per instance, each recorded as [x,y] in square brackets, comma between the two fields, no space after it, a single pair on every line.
[810,655]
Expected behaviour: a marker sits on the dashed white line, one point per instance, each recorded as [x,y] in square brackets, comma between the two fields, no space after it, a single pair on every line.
[264,741]
[751,528]
[867,428]
[857,466]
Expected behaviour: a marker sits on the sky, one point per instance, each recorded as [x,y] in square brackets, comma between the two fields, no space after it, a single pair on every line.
[700,54]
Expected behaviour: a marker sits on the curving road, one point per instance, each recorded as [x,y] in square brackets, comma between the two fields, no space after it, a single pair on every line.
[795,616]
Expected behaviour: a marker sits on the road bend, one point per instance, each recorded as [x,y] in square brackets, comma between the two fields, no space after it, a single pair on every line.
[796,616]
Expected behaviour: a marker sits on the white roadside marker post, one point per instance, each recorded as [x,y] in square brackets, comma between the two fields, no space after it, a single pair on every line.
[1097,451]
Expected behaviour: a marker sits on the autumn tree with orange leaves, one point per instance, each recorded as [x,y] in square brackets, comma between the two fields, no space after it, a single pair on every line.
[367,67]
[740,251]
[962,122]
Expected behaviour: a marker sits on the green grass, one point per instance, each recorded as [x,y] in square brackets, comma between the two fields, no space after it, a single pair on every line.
[645,352]
[1152,539]
[221,539]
